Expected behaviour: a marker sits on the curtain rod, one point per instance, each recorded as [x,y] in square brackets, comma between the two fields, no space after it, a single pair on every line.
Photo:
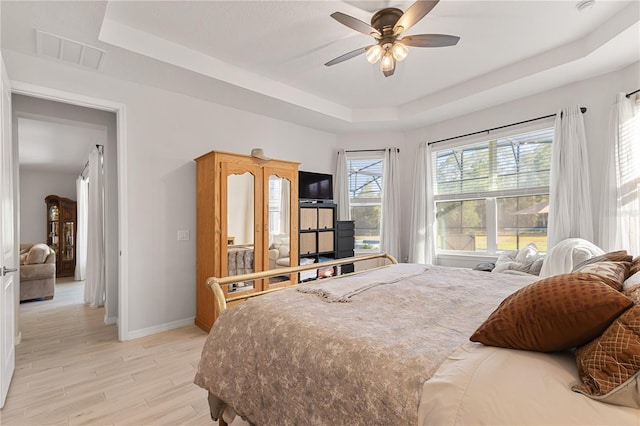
[628,95]
[369,150]
[582,109]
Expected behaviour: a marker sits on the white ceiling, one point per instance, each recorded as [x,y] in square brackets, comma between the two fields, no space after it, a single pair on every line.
[267,56]
[56,147]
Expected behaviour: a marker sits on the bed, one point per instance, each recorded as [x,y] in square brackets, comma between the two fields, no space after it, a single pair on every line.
[240,259]
[387,346]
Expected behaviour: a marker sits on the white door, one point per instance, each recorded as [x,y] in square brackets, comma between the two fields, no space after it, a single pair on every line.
[8,267]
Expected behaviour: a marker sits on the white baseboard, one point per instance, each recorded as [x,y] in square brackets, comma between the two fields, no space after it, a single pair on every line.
[19,338]
[136,334]
[110,320]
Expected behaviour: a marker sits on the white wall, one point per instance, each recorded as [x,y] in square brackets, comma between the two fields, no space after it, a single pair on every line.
[34,187]
[165,132]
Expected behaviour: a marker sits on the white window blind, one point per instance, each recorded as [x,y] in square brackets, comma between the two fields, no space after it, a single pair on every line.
[365,180]
[275,205]
[517,164]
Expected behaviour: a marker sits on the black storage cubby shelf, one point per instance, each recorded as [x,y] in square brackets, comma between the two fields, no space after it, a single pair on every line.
[345,243]
[318,234]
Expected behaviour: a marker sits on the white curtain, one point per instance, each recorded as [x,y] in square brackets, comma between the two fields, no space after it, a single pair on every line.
[94,289]
[390,221]
[569,193]
[247,211]
[341,187]
[422,239]
[285,206]
[620,208]
[82,188]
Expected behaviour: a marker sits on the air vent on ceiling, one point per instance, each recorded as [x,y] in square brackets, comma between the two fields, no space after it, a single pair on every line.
[66,50]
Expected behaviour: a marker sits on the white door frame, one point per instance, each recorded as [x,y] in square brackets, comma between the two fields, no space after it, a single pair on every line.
[48,93]
[8,252]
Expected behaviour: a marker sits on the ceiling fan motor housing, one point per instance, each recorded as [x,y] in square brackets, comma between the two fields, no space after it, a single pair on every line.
[384,20]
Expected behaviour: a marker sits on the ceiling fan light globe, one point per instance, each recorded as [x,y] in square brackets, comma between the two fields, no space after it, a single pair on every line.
[399,51]
[387,63]
[374,53]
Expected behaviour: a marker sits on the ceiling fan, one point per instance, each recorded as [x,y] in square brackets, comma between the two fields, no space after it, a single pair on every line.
[386,27]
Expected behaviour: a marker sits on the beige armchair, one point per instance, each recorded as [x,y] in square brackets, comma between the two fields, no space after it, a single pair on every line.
[37,271]
[279,252]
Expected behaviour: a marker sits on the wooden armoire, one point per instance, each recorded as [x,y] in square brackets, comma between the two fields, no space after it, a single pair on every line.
[246,211]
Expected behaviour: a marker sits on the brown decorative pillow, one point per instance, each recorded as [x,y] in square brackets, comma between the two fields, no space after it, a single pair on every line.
[553,314]
[614,256]
[635,266]
[614,273]
[609,366]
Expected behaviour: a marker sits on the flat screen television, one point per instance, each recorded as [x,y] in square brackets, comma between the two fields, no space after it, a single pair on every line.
[315,186]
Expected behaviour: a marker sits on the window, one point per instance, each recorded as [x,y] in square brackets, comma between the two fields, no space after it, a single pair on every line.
[275,206]
[365,197]
[494,195]
[621,225]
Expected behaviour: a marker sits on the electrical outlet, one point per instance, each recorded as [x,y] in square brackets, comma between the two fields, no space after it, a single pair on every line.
[183,235]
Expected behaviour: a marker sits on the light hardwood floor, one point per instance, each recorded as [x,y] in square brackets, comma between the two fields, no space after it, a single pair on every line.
[70,369]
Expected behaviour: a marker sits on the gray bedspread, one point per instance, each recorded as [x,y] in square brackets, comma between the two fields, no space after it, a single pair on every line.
[290,358]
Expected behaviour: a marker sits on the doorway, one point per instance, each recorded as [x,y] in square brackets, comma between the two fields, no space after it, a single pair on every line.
[94,118]
[52,155]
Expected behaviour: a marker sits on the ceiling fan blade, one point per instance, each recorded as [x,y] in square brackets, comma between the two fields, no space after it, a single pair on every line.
[416,12]
[430,40]
[346,56]
[356,24]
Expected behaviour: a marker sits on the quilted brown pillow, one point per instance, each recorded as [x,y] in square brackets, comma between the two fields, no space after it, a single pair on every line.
[613,273]
[609,366]
[613,256]
[553,314]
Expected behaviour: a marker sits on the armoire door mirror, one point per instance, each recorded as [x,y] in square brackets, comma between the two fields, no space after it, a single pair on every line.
[240,228]
[279,223]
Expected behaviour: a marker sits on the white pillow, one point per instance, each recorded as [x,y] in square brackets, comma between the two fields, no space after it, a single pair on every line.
[580,254]
[528,254]
[631,281]
[527,260]
[565,255]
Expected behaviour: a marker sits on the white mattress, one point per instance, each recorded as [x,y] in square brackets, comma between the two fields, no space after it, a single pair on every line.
[480,384]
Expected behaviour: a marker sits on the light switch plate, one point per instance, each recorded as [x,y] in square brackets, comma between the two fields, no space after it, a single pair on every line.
[183,235]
